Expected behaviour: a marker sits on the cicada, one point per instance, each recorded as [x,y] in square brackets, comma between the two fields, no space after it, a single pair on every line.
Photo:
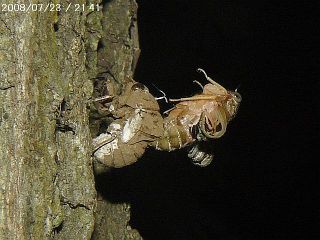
[199,118]
[137,122]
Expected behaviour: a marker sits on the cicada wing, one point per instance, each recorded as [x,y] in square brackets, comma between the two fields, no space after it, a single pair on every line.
[213,124]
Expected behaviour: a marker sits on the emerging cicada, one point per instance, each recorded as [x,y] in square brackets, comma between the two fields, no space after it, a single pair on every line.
[199,118]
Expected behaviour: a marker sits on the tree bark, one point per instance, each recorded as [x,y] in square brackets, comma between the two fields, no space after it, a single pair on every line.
[117,56]
[47,63]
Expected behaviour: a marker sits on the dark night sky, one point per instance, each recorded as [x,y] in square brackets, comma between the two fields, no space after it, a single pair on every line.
[263,182]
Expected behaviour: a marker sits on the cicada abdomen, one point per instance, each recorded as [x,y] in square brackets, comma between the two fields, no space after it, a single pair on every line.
[175,136]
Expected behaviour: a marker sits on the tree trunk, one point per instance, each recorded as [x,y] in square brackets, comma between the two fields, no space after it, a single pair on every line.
[47,63]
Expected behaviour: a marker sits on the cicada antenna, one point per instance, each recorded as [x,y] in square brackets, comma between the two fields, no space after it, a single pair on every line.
[236,90]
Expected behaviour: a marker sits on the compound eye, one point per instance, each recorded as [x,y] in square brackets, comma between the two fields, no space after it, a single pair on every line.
[139,86]
[238,97]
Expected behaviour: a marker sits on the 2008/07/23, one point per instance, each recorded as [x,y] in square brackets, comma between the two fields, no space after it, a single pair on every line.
[50,7]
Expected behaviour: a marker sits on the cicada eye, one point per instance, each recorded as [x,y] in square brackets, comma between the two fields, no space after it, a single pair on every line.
[139,86]
[237,96]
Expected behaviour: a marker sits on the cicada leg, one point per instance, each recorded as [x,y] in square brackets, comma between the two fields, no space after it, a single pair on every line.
[164,96]
[199,157]
[195,98]
[209,78]
[169,110]
[195,81]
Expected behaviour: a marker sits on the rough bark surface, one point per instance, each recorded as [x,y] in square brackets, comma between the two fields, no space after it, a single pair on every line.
[46,175]
[47,61]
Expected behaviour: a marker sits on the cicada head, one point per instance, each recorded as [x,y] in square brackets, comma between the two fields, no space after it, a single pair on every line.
[232,104]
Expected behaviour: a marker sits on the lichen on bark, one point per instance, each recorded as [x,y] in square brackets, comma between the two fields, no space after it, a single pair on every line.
[46,178]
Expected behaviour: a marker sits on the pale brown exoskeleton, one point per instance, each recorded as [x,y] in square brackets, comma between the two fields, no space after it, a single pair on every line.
[198,118]
[137,122]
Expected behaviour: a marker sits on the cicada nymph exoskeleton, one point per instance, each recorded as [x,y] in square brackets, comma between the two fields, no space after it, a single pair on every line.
[199,118]
[137,122]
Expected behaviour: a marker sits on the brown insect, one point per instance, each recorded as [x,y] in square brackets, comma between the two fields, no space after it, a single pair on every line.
[199,118]
[137,122]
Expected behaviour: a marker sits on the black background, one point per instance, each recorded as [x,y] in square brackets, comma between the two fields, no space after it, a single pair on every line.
[263,181]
